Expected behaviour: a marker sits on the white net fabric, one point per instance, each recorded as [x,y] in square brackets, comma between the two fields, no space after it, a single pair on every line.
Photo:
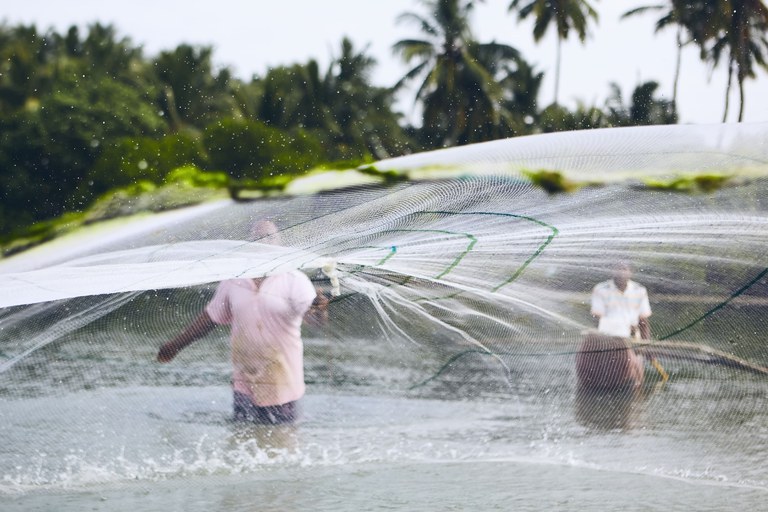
[466,280]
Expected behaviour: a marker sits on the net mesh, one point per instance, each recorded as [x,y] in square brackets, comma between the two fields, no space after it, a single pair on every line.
[467,278]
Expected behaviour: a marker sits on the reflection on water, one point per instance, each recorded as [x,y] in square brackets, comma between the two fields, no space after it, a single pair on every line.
[120,441]
[270,440]
[164,425]
[609,409]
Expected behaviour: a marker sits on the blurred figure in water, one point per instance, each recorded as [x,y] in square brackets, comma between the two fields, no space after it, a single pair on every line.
[265,316]
[606,360]
[608,409]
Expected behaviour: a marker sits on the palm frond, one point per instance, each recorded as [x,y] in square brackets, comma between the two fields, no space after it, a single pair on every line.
[410,48]
[641,10]
[410,75]
[420,21]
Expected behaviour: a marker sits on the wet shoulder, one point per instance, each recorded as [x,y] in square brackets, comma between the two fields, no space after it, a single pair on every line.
[295,283]
[604,286]
[235,284]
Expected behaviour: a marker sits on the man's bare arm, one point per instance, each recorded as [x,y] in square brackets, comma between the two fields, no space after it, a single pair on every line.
[199,327]
[317,315]
[645,328]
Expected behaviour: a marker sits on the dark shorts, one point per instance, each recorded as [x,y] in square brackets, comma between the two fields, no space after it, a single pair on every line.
[245,410]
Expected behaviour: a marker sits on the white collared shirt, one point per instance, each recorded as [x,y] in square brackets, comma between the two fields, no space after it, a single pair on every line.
[619,312]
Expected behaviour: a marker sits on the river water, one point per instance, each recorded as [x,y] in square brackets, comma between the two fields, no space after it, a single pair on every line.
[384,426]
[91,422]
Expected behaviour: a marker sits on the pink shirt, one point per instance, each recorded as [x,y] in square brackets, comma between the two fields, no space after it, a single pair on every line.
[265,319]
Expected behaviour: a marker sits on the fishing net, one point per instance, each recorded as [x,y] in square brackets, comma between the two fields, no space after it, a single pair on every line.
[459,285]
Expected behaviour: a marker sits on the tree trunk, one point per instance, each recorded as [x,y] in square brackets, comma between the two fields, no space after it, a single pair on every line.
[728,89]
[169,104]
[677,67]
[741,98]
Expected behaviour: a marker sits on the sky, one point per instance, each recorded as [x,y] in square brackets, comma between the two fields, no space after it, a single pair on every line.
[250,36]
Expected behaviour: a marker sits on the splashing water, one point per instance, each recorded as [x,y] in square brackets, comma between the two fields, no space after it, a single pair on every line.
[461,293]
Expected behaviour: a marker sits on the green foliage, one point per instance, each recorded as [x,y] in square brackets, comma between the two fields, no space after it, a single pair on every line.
[566,16]
[644,109]
[247,98]
[54,145]
[350,117]
[368,127]
[732,31]
[461,95]
[183,186]
[25,71]
[556,118]
[86,115]
[705,183]
[191,176]
[299,151]
[742,33]
[244,149]
[129,159]
[553,182]
[117,202]
[388,177]
[522,85]
[246,189]
[192,94]
[294,97]
[62,99]
[39,232]
[338,165]
[252,150]
[24,196]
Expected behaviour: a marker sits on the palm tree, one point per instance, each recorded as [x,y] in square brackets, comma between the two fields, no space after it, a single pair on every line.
[362,112]
[744,35]
[670,16]
[644,108]
[461,96]
[353,118]
[107,53]
[564,14]
[693,20]
[194,92]
[294,96]
[522,85]
[26,70]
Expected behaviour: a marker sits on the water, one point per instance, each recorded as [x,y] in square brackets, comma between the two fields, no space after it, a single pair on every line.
[493,485]
[402,411]
[155,447]
[120,432]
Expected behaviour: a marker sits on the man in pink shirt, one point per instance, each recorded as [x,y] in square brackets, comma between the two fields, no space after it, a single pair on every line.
[265,317]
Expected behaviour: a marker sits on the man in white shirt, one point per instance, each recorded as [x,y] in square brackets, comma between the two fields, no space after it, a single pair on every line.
[621,307]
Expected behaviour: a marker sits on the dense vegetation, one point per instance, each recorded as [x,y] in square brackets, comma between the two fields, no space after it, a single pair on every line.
[85,114]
